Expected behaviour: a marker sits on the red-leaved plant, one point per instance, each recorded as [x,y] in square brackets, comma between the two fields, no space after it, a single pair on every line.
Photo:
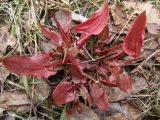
[88,77]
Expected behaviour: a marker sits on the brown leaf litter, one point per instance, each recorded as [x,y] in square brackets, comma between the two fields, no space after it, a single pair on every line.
[20,101]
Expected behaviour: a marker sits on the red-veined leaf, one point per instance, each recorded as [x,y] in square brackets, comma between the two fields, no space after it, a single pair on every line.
[50,34]
[133,41]
[30,65]
[63,93]
[96,23]
[99,97]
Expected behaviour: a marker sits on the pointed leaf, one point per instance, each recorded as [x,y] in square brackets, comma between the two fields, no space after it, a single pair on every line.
[82,40]
[65,36]
[133,41]
[25,65]
[96,23]
[50,34]
[63,93]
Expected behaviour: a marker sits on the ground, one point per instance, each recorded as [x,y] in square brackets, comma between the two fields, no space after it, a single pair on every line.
[25,97]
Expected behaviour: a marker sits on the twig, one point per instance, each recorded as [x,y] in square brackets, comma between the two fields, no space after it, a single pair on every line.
[88,54]
[95,59]
[123,28]
[93,79]
[144,62]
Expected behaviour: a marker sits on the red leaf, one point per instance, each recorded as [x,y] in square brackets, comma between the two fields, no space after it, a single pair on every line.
[63,93]
[99,97]
[50,34]
[77,76]
[35,65]
[85,94]
[108,83]
[121,79]
[103,38]
[96,23]
[65,36]
[133,41]
[82,40]
[76,62]
[103,71]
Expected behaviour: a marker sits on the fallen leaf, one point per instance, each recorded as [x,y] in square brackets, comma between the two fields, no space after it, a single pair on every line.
[119,15]
[78,18]
[132,112]
[153,28]
[16,101]
[124,110]
[117,116]
[152,12]
[41,90]
[151,45]
[133,41]
[46,46]
[157,57]
[115,94]
[64,18]
[87,114]
[6,39]
[139,84]
[3,74]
